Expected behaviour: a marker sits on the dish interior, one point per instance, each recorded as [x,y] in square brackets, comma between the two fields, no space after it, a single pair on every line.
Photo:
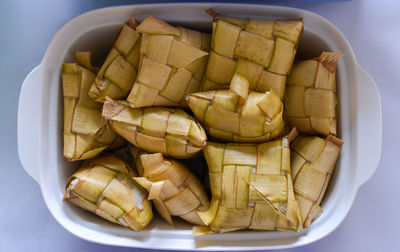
[99,41]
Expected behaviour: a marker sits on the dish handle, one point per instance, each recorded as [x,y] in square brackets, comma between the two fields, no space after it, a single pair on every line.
[29,123]
[369,126]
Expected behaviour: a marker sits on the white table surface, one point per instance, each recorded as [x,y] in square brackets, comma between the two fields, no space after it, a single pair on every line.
[26,28]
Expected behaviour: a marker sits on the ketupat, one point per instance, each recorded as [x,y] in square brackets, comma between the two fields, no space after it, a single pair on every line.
[172,64]
[196,165]
[170,131]
[104,186]
[260,50]
[310,99]
[85,131]
[251,188]
[312,162]
[118,73]
[175,191]
[237,117]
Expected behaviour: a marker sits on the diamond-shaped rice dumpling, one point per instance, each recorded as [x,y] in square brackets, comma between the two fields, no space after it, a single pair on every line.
[237,115]
[260,50]
[310,99]
[104,186]
[312,162]
[118,73]
[170,131]
[172,63]
[85,131]
[251,188]
[175,190]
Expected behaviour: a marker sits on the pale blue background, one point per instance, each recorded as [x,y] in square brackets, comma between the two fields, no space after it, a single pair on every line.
[26,28]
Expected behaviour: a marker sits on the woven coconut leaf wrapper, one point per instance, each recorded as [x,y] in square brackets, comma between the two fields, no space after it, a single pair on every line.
[174,190]
[172,64]
[312,162]
[237,115]
[118,73]
[260,50]
[105,186]
[310,99]
[251,188]
[170,131]
[86,133]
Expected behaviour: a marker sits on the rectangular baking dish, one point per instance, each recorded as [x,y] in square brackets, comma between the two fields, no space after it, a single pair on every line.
[40,123]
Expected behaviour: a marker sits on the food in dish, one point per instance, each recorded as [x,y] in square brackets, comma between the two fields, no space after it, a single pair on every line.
[174,190]
[251,188]
[118,72]
[170,131]
[260,50]
[85,131]
[312,162]
[105,186]
[172,63]
[236,117]
[310,99]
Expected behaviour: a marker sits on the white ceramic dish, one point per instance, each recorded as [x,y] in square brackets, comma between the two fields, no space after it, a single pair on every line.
[40,128]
